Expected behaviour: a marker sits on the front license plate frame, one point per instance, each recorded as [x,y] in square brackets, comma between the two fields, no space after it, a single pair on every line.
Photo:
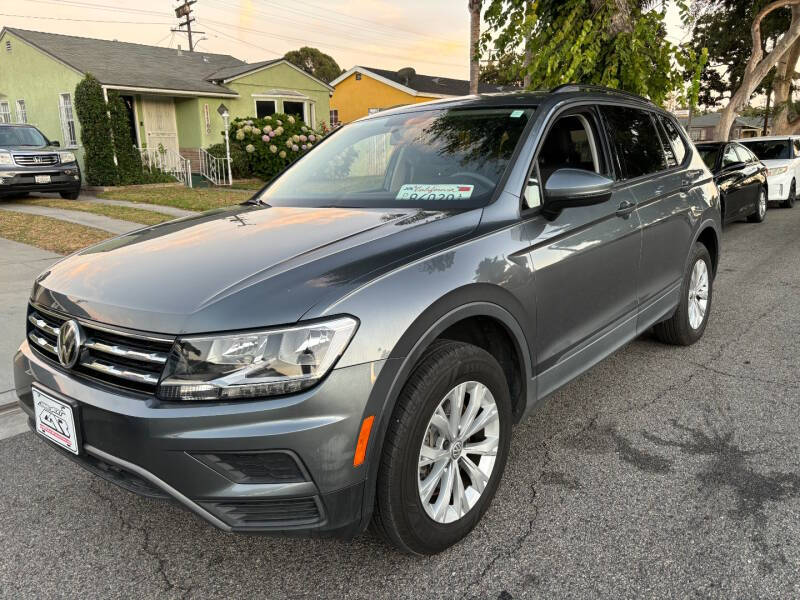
[57,420]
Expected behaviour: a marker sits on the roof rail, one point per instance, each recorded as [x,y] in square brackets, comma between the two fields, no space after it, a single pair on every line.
[576,87]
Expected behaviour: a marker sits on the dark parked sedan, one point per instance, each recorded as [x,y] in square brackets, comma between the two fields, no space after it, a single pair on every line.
[741,178]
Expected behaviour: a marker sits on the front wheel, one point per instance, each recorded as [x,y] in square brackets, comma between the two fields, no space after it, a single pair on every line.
[445,449]
[689,321]
[789,202]
[70,195]
[760,208]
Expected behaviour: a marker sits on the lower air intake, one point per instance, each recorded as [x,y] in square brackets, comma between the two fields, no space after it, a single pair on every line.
[282,512]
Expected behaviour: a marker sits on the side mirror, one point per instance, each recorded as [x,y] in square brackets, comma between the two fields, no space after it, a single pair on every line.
[55,143]
[576,187]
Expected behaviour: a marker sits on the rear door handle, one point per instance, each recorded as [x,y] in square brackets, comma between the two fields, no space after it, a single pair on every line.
[625,208]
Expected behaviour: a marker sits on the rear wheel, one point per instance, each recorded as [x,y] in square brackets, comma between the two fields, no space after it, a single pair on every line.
[761,207]
[689,321]
[789,202]
[445,449]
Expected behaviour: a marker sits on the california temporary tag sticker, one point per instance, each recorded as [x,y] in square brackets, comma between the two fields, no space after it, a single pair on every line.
[434,191]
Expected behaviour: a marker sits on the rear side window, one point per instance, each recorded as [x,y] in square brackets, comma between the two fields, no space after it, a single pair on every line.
[635,138]
[743,154]
[677,147]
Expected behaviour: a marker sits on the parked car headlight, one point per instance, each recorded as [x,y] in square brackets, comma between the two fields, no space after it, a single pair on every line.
[5,159]
[254,364]
[777,170]
[67,157]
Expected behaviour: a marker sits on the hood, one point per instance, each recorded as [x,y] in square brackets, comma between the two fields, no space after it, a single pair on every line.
[240,268]
[34,149]
[777,162]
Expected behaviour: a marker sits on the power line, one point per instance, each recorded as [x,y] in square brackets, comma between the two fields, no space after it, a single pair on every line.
[87,20]
[184,11]
[103,7]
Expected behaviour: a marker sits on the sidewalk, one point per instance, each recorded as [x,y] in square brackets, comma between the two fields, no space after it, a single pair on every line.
[115,226]
[164,210]
[20,264]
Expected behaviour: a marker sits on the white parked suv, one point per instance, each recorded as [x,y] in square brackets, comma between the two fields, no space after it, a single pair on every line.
[781,155]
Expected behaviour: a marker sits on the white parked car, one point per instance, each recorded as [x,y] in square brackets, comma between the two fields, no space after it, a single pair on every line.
[781,155]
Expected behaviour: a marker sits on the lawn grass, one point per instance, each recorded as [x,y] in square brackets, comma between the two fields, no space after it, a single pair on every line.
[50,234]
[180,197]
[252,185]
[134,215]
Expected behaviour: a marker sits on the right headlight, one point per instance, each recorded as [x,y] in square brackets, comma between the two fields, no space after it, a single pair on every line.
[777,170]
[5,159]
[254,364]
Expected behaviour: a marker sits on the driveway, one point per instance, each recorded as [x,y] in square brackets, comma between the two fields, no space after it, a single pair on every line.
[663,472]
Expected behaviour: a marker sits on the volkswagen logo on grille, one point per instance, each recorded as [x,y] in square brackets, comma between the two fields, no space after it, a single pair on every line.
[68,343]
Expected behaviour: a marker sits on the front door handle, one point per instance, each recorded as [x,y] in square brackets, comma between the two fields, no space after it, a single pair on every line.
[625,208]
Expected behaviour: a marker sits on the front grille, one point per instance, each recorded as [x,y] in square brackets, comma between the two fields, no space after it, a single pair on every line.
[120,359]
[278,512]
[36,160]
[255,467]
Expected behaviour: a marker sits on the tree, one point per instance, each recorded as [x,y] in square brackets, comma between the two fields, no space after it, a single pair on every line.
[615,43]
[759,64]
[783,81]
[503,71]
[315,63]
[474,7]
[129,160]
[96,137]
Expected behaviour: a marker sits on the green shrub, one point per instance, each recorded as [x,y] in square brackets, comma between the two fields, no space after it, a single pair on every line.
[270,144]
[239,163]
[129,160]
[92,112]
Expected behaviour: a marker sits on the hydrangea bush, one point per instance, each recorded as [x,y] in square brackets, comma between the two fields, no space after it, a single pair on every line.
[271,143]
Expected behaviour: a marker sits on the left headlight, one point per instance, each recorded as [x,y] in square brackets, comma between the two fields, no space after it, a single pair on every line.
[777,170]
[5,158]
[254,364]
[67,157]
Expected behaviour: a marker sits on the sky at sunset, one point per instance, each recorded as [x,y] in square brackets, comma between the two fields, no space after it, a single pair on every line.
[429,35]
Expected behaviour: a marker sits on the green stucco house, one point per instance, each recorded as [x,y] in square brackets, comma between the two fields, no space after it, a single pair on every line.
[172,95]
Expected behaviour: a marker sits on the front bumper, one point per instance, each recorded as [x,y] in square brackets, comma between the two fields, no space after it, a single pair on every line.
[163,449]
[62,179]
[778,186]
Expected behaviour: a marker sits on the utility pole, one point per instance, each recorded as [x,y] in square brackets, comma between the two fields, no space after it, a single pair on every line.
[184,11]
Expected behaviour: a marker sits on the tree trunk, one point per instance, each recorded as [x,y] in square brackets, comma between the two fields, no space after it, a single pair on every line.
[782,84]
[621,19]
[474,34]
[766,112]
[758,65]
[526,62]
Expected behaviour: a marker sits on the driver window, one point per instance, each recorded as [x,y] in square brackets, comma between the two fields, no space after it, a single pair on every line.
[730,157]
[570,143]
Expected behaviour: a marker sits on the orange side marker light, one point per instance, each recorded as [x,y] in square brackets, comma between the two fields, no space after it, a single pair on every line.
[363,438]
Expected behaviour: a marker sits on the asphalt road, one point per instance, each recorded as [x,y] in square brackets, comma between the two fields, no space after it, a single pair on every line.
[665,472]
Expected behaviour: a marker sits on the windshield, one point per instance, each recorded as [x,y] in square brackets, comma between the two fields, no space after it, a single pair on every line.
[435,159]
[709,155]
[21,136]
[769,149]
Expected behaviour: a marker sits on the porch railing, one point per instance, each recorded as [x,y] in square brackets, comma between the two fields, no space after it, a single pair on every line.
[215,169]
[168,162]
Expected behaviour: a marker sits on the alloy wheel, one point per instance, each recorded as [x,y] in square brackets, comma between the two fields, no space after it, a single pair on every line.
[698,294]
[762,204]
[458,452]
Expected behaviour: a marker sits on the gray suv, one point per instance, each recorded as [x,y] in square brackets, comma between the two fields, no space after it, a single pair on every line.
[29,162]
[354,344]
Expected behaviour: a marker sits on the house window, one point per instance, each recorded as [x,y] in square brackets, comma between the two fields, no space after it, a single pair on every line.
[22,114]
[265,108]
[8,45]
[334,117]
[696,134]
[67,120]
[358,76]
[207,118]
[5,112]
[295,108]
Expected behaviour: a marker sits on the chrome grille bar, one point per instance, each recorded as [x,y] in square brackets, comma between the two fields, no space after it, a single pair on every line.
[43,325]
[121,372]
[35,160]
[42,342]
[158,358]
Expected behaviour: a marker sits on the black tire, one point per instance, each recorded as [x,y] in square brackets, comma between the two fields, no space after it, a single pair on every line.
[676,330]
[789,202]
[399,513]
[70,195]
[758,216]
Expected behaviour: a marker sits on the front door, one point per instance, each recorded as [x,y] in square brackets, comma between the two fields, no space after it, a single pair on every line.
[161,128]
[585,259]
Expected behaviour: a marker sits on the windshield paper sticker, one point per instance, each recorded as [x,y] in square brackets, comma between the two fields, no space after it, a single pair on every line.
[434,191]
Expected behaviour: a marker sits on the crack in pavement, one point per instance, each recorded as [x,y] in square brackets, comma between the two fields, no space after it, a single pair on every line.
[145,546]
